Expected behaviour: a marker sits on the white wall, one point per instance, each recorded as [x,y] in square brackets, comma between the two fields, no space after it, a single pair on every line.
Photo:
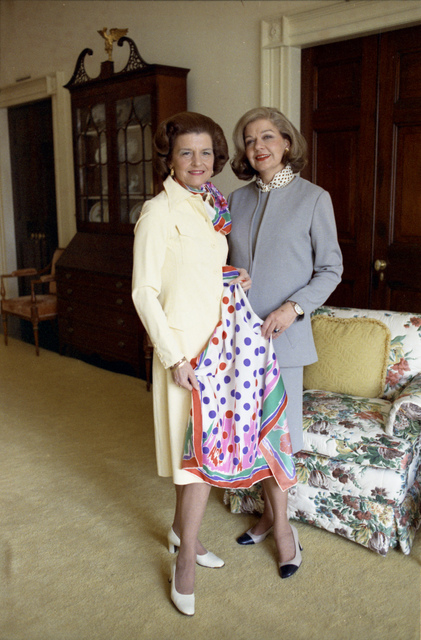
[218,40]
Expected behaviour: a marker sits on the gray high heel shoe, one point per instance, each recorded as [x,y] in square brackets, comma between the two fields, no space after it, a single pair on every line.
[207,559]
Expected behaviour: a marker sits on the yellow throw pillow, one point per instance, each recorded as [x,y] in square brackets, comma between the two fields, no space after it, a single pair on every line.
[353,356]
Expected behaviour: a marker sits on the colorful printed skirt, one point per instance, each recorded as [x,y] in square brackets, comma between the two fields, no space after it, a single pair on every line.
[237,432]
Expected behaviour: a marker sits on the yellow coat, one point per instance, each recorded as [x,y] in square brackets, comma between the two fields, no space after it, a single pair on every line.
[177,289]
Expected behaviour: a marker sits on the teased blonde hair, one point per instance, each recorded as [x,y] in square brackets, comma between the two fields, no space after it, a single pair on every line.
[296,157]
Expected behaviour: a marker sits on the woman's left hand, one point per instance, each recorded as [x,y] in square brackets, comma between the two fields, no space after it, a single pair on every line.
[184,376]
[278,321]
[243,279]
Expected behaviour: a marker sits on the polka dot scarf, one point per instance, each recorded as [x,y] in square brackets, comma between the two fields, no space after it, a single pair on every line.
[279,180]
[237,432]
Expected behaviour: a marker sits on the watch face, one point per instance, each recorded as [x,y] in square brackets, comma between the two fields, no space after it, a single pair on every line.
[298,309]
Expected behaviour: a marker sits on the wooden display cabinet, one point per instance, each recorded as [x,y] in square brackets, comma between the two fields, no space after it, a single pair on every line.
[114,119]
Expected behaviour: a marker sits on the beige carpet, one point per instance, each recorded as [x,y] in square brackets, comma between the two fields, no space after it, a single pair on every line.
[84,520]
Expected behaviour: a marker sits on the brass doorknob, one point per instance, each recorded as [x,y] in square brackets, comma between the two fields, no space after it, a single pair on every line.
[380,265]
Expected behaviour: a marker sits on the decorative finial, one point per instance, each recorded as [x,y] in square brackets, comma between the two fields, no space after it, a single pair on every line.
[110,38]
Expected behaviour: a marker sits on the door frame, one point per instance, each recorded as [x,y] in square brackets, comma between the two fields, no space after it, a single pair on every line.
[25,92]
[283,37]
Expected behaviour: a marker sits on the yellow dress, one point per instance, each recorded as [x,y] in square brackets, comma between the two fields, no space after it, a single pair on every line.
[177,290]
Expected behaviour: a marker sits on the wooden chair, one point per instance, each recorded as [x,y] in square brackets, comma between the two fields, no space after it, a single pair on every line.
[36,307]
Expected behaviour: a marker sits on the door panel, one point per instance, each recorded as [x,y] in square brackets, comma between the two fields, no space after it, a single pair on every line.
[337,165]
[407,227]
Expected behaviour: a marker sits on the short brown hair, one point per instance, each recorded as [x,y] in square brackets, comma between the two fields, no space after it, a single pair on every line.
[187,122]
[297,155]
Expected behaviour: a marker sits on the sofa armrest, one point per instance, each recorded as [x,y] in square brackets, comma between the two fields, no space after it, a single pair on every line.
[405,414]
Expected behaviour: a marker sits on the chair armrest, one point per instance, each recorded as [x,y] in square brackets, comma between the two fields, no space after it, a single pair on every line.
[31,271]
[41,280]
[405,414]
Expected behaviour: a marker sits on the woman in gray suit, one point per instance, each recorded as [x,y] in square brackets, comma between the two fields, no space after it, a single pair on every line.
[284,235]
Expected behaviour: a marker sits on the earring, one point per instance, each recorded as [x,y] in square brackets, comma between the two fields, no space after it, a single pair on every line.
[172,172]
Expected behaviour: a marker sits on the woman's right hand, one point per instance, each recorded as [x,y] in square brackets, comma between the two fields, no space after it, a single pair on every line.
[185,377]
[243,279]
[278,321]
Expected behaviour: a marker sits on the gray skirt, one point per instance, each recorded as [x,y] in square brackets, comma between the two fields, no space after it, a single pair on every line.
[293,382]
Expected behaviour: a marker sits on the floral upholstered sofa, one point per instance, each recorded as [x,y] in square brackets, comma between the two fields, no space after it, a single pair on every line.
[359,473]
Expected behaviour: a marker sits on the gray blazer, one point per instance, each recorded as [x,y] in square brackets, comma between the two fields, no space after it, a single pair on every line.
[297,257]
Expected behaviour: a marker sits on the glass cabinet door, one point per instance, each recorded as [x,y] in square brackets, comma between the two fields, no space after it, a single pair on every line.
[91,162]
[134,143]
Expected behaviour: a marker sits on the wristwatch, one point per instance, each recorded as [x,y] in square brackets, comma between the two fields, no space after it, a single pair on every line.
[297,308]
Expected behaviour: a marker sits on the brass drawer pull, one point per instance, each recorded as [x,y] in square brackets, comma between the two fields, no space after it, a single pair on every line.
[121,344]
[70,330]
[119,301]
[69,291]
[68,276]
[119,284]
[120,322]
[69,309]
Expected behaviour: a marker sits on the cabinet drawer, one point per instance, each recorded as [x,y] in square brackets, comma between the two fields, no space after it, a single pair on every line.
[112,318]
[101,340]
[90,296]
[72,278]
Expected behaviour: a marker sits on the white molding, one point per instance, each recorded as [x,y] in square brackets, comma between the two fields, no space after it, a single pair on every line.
[7,232]
[22,93]
[281,70]
[282,38]
[27,91]
[63,162]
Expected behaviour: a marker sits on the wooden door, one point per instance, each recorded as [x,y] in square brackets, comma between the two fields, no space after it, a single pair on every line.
[34,197]
[397,229]
[361,115]
[339,124]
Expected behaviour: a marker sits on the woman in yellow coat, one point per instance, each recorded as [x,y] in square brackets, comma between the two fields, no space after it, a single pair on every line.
[179,251]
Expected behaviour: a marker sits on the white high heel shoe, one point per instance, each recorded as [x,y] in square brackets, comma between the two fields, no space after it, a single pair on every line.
[183,602]
[207,559]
